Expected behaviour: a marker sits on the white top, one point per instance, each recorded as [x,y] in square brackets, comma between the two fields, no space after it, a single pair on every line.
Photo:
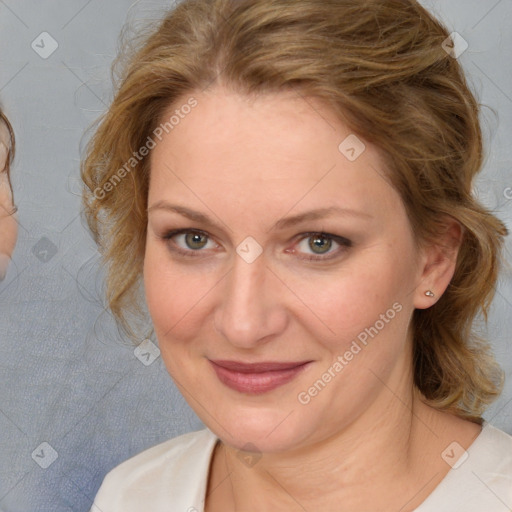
[172,477]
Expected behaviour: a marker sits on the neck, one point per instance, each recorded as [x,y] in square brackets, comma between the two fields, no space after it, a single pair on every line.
[388,459]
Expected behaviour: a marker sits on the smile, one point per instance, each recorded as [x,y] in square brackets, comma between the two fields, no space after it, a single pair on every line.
[257,378]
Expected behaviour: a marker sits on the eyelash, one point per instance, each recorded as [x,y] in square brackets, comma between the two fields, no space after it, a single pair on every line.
[344,243]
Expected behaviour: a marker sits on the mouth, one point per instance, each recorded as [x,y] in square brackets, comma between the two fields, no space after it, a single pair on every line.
[257,378]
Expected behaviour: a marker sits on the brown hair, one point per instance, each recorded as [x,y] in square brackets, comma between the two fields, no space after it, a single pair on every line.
[11,146]
[380,65]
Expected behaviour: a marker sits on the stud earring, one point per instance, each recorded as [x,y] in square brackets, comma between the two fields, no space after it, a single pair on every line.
[429,293]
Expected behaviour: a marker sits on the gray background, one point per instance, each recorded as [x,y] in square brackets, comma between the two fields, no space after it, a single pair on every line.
[67,378]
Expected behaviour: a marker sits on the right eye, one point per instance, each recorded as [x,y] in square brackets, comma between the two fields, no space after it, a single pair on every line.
[188,241]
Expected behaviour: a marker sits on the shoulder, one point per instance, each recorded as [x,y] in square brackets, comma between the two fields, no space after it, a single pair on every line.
[481,478]
[171,472]
[178,450]
[491,453]
[495,437]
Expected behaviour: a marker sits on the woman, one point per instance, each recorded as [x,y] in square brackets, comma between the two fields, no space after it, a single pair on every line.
[8,223]
[291,181]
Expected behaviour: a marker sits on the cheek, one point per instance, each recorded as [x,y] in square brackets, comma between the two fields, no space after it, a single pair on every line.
[368,312]
[173,295]
[346,301]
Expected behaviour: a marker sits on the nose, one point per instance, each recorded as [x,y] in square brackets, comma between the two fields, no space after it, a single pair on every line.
[250,311]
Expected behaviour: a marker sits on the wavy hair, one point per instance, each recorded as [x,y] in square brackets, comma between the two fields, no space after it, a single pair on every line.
[381,66]
[11,148]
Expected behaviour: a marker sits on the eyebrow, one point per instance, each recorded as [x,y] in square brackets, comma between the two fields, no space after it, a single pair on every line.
[283,223]
[318,214]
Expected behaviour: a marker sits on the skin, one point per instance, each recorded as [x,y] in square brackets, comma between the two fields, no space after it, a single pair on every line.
[8,223]
[367,441]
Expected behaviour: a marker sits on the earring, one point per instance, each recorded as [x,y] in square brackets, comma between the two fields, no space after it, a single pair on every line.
[429,293]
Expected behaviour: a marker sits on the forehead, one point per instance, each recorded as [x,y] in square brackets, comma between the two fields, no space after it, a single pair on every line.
[276,147]
[224,121]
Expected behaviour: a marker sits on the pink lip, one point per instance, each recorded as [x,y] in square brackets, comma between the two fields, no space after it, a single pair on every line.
[257,378]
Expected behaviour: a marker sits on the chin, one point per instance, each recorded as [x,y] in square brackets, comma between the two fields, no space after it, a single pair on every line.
[267,429]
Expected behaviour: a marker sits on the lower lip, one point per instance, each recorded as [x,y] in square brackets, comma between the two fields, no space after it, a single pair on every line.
[256,383]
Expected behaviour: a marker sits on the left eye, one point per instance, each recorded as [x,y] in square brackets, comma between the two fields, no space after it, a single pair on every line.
[320,244]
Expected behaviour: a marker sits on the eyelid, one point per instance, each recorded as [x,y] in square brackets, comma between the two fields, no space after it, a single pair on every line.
[337,238]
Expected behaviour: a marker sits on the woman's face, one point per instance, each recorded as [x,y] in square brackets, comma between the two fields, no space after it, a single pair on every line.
[280,269]
[8,224]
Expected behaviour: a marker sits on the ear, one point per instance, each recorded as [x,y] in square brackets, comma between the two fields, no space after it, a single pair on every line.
[437,263]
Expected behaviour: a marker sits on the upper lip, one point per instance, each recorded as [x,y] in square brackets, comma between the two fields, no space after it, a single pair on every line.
[261,367]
